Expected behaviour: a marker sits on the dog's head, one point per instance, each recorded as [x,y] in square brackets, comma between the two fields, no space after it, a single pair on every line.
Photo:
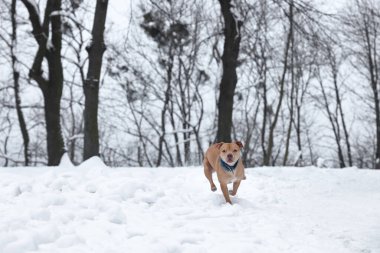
[229,152]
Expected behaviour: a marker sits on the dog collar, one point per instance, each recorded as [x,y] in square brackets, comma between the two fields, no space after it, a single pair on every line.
[228,168]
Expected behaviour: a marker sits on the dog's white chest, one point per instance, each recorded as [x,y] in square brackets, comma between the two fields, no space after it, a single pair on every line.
[233,177]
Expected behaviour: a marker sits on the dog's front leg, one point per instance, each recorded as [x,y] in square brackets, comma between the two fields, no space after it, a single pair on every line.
[208,174]
[225,192]
[235,188]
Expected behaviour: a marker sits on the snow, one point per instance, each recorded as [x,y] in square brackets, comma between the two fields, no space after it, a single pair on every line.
[95,208]
[59,13]
[65,161]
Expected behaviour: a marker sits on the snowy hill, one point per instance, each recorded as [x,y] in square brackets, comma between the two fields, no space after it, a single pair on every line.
[93,208]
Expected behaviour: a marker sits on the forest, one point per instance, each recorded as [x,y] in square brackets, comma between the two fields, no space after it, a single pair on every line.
[153,83]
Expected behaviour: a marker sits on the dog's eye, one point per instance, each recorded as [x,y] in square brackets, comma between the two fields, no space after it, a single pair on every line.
[235,150]
[224,151]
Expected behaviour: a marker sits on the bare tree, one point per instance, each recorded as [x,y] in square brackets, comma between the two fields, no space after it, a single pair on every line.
[51,86]
[176,79]
[11,43]
[361,29]
[76,35]
[291,98]
[334,63]
[16,78]
[268,156]
[91,86]
[333,119]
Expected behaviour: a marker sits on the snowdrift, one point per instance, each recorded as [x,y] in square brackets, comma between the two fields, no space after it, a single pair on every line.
[97,209]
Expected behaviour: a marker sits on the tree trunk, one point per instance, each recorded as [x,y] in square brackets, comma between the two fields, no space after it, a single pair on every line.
[264,125]
[53,92]
[291,109]
[165,107]
[186,116]
[334,70]
[55,144]
[377,111]
[175,135]
[91,86]
[298,131]
[52,87]
[74,131]
[229,78]
[16,77]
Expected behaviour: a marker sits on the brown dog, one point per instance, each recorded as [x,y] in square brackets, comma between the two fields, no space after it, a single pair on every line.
[224,159]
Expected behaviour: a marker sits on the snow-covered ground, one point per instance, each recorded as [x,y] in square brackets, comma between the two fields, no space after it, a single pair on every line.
[93,209]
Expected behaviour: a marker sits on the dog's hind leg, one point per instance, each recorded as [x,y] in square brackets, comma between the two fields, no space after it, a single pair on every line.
[208,173]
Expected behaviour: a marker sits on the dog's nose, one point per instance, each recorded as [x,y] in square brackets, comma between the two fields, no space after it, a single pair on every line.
[230,156]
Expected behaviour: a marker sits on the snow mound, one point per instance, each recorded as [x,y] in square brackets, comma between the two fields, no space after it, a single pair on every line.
[93,208]
[93,163]
[65,161]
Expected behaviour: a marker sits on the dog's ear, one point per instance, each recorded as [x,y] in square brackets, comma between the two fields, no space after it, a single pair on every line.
[239,143]
[218,145]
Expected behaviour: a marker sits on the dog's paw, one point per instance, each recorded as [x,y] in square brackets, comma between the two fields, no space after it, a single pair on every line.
[231,193]
[213,188]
